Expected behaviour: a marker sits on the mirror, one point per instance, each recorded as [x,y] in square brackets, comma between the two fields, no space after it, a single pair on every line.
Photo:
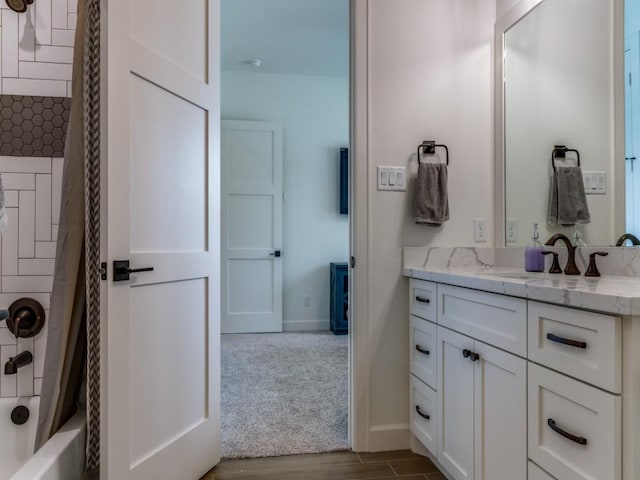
[557,84]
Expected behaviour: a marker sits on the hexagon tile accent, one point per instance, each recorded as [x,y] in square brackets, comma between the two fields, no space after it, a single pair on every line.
[33,126]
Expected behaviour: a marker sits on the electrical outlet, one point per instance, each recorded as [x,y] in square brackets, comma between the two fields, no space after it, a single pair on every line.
[512,230]
[307,300]
[480,229]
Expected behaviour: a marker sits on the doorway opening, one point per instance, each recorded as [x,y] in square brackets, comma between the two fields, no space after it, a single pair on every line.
[285,226]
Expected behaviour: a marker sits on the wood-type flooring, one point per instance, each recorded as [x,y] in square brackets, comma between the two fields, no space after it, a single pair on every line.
[329,466]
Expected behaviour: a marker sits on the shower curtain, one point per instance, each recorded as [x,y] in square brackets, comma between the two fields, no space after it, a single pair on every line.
[72,364]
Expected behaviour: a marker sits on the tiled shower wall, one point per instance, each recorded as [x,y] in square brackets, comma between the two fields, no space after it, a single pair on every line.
[36,53]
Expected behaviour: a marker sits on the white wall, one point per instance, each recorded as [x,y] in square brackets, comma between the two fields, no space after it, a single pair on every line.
[430,78]
[314,112]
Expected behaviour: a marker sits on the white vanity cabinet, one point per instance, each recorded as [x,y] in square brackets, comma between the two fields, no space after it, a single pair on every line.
[522,389]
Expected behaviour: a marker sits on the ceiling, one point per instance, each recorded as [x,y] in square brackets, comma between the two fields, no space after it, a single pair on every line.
[294,37]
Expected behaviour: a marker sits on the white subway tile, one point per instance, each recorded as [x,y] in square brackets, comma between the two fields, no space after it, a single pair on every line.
[57,165]
[43,207]
[8,383]
[39,349]
[41,284]
[53,54]
[6,337]
[9,54]
[69,89]
[62,38]
[37,386]
[6,299]
[59,14]
[11,198]
[24,165]
[54,232]
[27,224]
[10,244]
[71,21]
[36,266]
[43,22]
[25,373]
[27,37]
[29,86]
[19,181]
[45,71]
[45,249]
[72,6]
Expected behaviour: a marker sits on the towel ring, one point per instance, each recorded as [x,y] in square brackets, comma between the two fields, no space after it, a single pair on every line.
[560,151]
[429,148]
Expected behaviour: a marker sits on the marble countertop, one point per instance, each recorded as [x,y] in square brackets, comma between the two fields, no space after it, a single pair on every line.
[609,293]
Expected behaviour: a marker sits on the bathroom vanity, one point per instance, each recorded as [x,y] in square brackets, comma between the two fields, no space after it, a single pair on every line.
[517,375]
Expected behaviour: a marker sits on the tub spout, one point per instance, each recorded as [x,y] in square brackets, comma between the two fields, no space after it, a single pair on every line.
[14,363]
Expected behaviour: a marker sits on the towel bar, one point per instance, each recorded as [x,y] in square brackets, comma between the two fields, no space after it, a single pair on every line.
[560,151]
[429,148]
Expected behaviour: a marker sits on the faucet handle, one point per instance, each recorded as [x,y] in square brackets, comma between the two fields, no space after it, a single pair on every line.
[592,269]
[555,265]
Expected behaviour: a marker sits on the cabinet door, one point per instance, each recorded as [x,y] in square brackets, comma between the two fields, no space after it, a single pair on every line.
[455,404]
[500,415]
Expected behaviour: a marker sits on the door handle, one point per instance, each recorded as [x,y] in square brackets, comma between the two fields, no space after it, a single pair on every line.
[276,254]
[121,270]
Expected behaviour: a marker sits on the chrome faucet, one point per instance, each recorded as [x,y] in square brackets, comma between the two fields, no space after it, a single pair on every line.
[571,268]
[14,363]
[627,236]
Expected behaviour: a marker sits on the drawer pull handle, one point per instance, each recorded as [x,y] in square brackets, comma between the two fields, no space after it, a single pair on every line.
[566,341]
[423,300]
[558,430]
[423,415]
[422,350]
[473,356]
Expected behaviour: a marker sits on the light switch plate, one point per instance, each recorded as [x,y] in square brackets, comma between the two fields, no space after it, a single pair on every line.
[594,182]
[392,178]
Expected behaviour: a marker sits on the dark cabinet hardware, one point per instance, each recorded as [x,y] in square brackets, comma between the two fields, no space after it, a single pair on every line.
[276,254]
[423,415]
[121,270]
[565,434]
[566,341]
[473,356]
[422,350]
[592,269]
[423,300]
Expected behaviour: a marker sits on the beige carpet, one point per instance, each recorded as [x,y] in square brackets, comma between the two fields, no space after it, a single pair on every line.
[284,394]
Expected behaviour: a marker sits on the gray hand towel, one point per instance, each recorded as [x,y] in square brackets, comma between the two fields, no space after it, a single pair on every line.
[431,205]
[567,200]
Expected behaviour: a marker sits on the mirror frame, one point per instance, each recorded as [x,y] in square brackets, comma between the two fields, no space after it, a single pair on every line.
[503,24]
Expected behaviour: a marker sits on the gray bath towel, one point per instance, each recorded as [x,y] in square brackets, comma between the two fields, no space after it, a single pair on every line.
[567,200]
[431,205]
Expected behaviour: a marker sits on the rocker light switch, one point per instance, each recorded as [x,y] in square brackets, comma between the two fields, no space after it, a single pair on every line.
[392,178]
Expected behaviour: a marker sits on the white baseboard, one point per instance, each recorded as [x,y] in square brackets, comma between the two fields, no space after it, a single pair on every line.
[304,325]
[389,437]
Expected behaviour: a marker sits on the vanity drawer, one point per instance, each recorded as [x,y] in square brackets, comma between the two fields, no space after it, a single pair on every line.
[422,345]
[495,319]
[582,344]
[422,299]
[422,414]
[536,473]
[575,430]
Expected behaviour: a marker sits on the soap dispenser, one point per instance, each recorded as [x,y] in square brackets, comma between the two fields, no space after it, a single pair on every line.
[533,258]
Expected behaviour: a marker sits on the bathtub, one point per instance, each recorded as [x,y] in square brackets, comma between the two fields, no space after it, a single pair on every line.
[61,458]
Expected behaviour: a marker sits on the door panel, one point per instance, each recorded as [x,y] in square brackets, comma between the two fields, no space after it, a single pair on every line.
[170,213]
[162,183]
[456,399]
[159,325]
[252,227]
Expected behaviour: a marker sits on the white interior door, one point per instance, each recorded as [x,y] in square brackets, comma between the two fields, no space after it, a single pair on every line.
[251,156]
[162,367]
[632,133]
